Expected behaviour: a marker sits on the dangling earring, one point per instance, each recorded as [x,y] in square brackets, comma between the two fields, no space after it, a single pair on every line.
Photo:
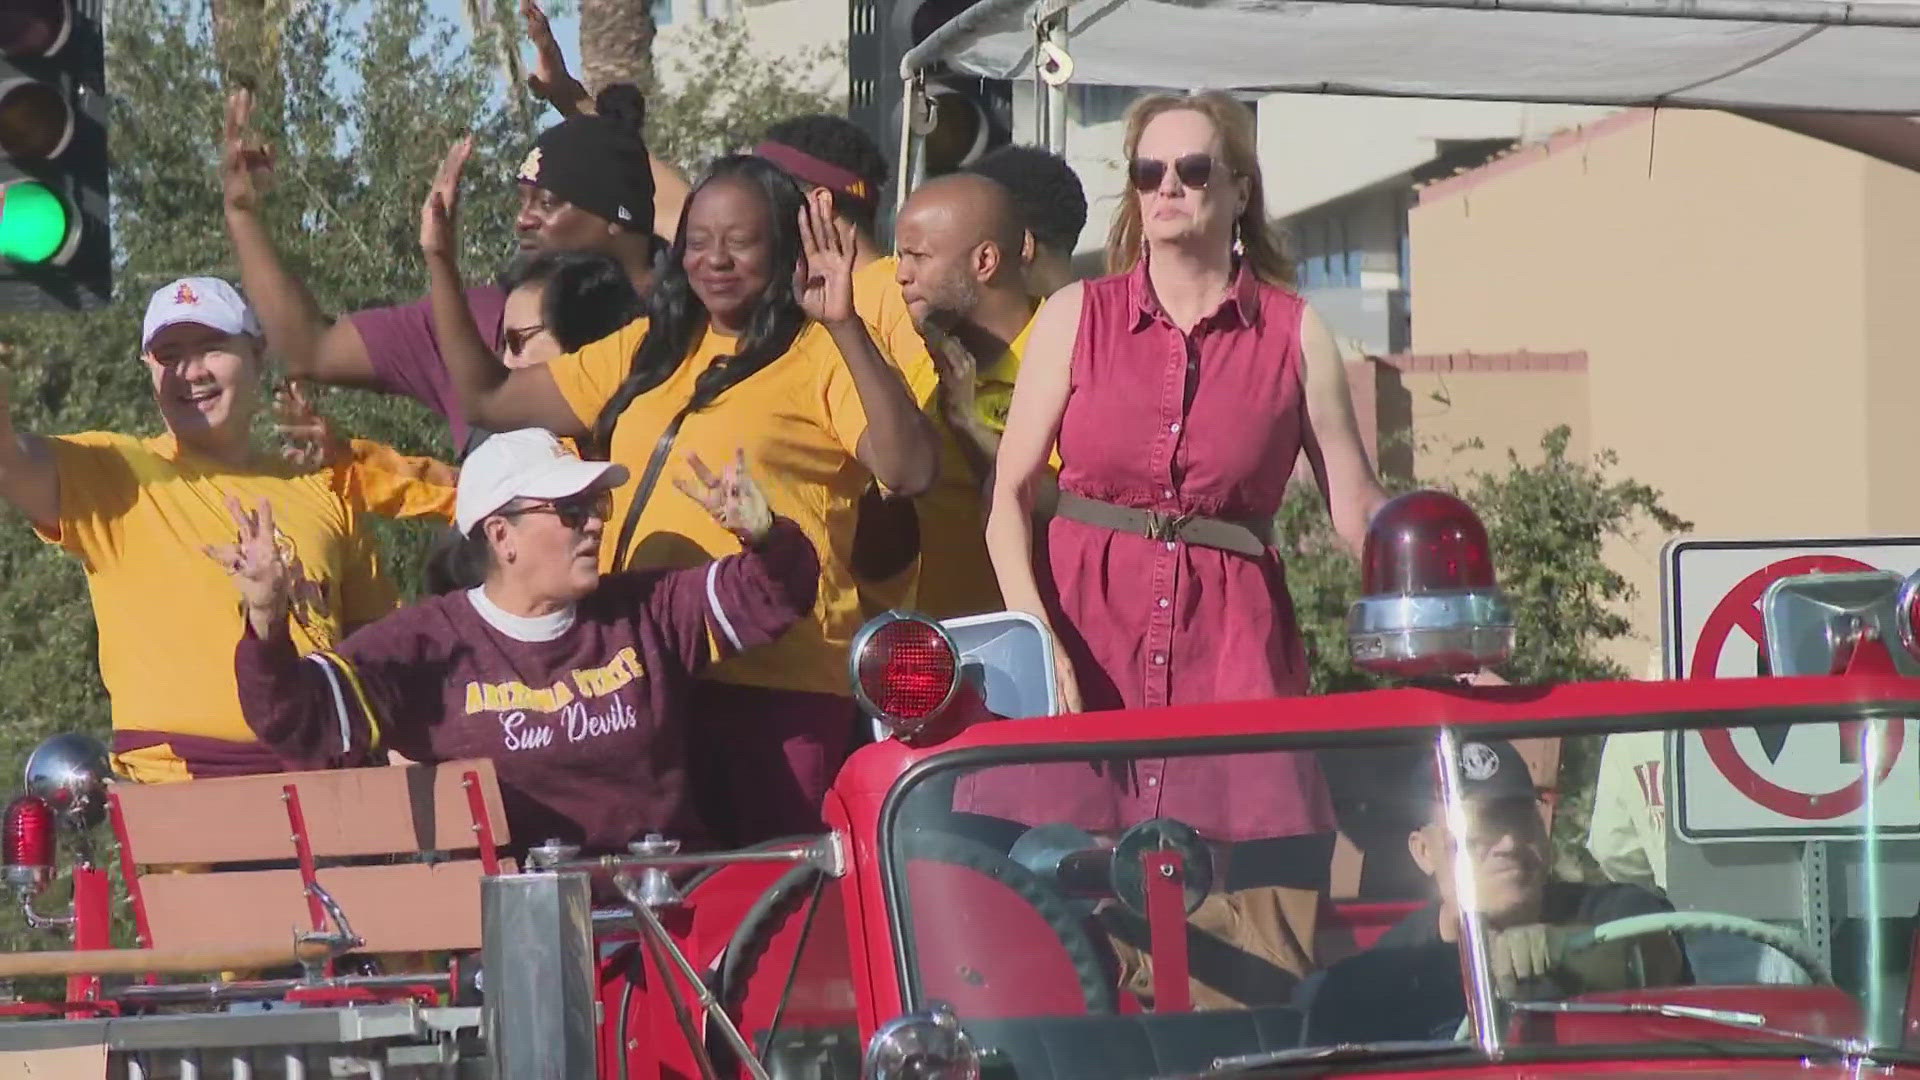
[1238,247]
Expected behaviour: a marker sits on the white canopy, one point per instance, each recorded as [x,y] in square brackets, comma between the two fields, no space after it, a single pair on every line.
[1862,56]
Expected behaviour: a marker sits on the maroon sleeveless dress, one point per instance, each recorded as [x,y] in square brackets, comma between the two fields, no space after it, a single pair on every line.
[1210,422]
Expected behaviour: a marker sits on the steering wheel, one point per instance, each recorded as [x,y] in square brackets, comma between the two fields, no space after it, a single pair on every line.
[999,920]
[1786,942]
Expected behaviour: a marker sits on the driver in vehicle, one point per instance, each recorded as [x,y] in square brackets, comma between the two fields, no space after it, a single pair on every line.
[1409,986]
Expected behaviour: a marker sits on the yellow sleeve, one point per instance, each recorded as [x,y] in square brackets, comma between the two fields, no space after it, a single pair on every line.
[841,411]
[588,378]
[378,479]
[98,485]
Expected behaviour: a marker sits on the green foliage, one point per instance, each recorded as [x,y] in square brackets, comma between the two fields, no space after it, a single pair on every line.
[1549,521]
[359,99]
[352,167]
[709,114]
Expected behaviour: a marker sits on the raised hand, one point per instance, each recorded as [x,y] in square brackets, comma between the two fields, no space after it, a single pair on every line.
[254,563]
[307,438]
[550,80]
[734,500]
[246,163]
[826,271]
[439,216]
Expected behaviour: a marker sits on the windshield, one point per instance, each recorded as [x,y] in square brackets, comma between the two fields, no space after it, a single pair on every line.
[1653,889]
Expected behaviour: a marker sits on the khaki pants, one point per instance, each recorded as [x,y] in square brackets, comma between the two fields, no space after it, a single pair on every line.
[1244,948]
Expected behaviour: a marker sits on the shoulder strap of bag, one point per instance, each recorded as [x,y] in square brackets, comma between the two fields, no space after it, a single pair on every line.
[643,491]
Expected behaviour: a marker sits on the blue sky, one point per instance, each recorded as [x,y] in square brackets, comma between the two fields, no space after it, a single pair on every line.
[565,26]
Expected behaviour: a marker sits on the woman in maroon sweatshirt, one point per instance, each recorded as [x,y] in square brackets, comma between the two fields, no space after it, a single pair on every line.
[574,684]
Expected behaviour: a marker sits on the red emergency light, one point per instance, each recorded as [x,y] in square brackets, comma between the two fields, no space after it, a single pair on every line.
[1431,604]
[1425,542]
[27,842]
[905,671]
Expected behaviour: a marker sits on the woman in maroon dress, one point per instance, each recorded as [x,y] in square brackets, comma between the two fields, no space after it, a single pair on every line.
[1180,390]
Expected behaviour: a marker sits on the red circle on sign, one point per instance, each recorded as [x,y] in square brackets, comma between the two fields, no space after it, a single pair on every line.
[1796,804]
[1741,608]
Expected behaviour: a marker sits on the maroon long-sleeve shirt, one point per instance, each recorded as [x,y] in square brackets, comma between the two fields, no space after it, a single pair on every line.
[586,727]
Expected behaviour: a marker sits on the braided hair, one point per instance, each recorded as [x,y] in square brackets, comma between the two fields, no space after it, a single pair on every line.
[678,317]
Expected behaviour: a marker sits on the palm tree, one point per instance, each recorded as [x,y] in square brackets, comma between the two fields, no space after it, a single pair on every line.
[616,43]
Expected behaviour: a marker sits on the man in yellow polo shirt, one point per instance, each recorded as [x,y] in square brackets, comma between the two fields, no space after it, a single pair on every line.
[959,241]
[140,513]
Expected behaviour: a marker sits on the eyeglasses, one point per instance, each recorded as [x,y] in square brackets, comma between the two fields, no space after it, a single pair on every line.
[573,511]
[1194,170]
[517,337]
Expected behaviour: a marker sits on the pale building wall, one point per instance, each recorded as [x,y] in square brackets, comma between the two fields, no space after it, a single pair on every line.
[1502,409]
[1715,271]
[1318,147]
[1892,348]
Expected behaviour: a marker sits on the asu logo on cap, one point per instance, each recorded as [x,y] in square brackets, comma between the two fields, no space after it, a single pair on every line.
[185,295]
[857,189]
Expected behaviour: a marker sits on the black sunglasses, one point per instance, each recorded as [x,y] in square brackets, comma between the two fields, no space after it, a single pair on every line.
[1194,170]
[573,511]
[516,337]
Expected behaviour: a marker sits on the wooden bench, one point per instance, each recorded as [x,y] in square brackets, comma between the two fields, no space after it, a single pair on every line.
[218,870]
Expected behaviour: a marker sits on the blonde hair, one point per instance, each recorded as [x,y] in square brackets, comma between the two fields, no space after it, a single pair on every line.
[1234,121]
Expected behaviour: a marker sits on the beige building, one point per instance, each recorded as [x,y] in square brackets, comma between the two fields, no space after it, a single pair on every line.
[1733,309]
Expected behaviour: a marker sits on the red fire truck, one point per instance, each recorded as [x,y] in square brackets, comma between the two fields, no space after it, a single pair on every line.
[991,899]
[1003,891]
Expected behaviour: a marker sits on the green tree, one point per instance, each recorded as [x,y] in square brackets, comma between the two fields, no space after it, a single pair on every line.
[1549,521]
[708,116]
[359,98]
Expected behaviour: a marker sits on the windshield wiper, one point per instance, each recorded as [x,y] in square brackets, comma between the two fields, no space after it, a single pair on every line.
[1338,1054]
[1733,1018]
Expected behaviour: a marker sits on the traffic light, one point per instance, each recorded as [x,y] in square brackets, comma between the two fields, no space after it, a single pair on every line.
[55,250]
[971,116]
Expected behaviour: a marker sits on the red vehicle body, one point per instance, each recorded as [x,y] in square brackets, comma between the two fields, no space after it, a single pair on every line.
[903,944]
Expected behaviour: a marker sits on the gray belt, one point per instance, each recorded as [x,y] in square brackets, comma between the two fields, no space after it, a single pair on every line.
[1249,538]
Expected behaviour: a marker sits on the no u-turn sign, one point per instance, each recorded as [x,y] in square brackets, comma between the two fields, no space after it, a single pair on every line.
[1804,781]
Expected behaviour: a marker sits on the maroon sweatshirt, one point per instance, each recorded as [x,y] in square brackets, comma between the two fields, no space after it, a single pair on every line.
[586,728]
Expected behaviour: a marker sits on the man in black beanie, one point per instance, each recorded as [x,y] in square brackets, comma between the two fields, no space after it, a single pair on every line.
[586,185]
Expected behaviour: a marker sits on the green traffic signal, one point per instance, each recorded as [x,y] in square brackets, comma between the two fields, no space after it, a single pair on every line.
[34,222]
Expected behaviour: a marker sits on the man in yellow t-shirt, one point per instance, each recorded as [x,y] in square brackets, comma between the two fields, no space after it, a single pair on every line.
[961,277]
[140,513]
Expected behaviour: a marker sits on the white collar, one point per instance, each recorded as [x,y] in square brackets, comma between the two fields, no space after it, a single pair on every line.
[521,627]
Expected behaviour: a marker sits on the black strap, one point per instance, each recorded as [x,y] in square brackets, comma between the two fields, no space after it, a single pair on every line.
[644,489]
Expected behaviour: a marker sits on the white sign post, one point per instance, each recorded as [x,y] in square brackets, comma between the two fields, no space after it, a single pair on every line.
[1800,783]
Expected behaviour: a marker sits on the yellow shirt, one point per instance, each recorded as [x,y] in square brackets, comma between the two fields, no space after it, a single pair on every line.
[137,513]
[799,420]
[953,576]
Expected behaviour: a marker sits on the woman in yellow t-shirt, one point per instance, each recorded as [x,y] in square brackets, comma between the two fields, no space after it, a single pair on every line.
[753,343]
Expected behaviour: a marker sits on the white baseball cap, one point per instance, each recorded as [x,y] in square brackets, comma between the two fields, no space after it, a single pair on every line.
[204,301]
[525,464]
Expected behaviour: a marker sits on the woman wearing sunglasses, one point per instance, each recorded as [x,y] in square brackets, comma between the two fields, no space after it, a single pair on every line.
[1181,389]
[576,685]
